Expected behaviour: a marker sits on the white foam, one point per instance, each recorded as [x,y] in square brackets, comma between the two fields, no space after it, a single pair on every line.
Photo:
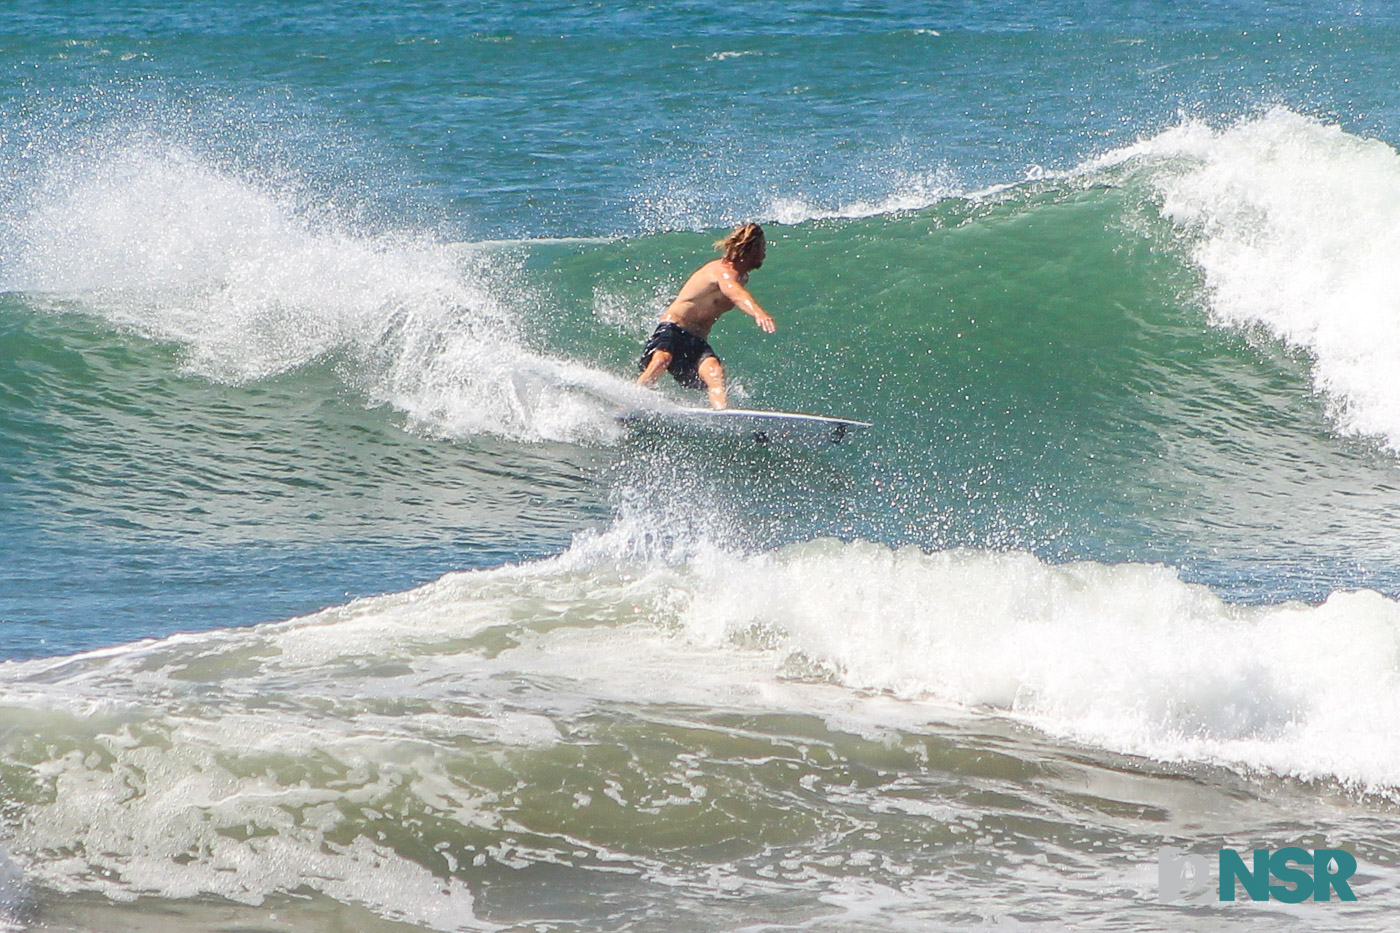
[632,310]
[252,280]
[1126,657]
[178,746]
[1297,228]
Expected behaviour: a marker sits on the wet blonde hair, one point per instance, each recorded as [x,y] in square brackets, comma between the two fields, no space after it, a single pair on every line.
[743,243]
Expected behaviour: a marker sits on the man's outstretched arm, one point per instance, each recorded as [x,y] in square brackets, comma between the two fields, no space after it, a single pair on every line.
[730,287]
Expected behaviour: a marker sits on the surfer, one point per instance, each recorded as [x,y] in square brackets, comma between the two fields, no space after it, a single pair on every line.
[679,343]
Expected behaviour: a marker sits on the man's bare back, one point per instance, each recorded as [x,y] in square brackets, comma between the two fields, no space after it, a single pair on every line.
[679,344]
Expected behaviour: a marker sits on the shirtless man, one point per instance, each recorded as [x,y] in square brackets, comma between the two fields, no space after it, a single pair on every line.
[679,341]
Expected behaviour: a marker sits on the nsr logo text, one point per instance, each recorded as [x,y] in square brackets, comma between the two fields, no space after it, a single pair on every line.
[1182,876]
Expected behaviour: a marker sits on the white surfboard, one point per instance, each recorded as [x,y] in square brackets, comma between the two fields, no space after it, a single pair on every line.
[760,426]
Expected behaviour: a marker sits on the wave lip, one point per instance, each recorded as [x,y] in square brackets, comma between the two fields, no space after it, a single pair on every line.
[1296,226]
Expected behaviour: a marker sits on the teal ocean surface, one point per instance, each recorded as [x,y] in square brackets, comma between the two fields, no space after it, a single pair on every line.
[335,596]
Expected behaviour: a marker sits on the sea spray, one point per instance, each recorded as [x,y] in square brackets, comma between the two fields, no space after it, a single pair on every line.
[251,281]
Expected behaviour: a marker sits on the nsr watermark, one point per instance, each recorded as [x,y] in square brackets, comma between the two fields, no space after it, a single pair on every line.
[1184,876]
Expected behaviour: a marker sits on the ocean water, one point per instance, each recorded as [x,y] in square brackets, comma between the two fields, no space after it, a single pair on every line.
[334,595]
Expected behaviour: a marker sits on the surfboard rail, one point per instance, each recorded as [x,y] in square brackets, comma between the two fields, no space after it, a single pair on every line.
[758,425]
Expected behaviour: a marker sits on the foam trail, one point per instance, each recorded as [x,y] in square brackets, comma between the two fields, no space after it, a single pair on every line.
[1297,226]
[253,283]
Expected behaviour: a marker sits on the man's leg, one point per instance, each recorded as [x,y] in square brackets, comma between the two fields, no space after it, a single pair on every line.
[711,373]
[660,359]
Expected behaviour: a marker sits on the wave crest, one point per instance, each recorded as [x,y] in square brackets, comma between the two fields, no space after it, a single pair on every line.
[252,283]
[1296,226]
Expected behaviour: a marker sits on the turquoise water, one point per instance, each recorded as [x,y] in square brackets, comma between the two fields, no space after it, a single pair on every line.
[334,595]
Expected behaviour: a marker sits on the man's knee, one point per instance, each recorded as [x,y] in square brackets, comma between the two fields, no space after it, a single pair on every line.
[659,361]
[711,369]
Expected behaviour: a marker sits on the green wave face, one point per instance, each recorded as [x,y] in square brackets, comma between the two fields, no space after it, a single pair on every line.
[1040,365]
[137,496]
[1042,369]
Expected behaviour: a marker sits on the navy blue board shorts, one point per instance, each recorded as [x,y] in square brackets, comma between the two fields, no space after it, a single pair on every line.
[687,353]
